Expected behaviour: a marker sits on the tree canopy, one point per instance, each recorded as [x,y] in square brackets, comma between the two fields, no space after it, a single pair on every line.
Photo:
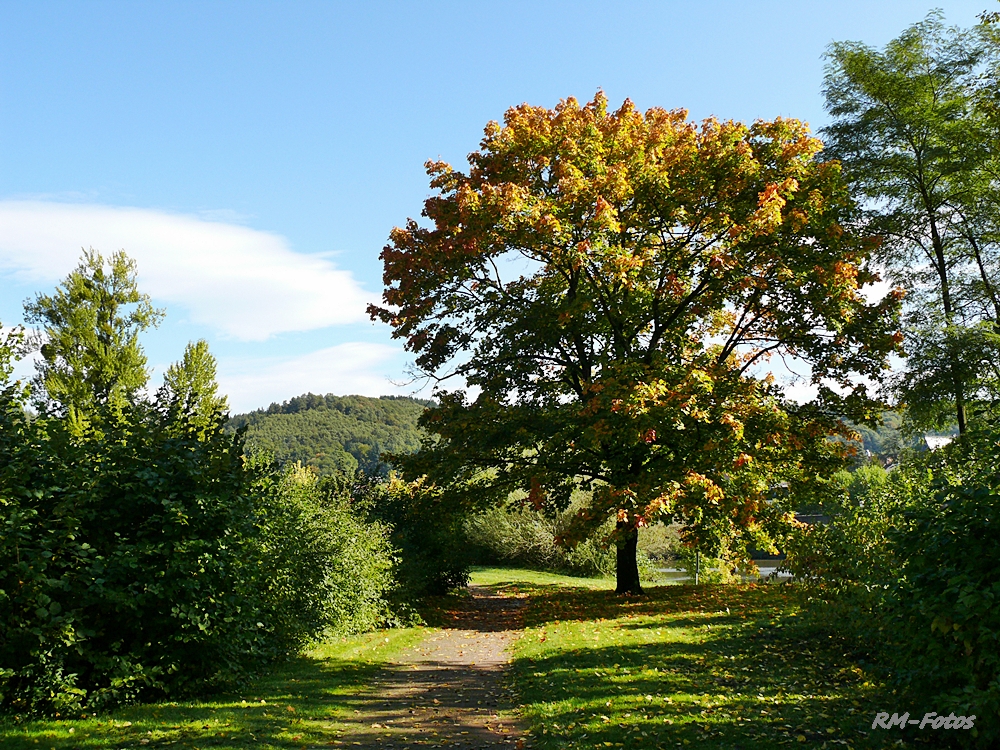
[611,285]
[915,125]
[89,338]
[335,434]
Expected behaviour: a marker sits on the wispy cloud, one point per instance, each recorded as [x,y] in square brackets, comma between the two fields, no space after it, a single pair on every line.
[353,368]
[241,282]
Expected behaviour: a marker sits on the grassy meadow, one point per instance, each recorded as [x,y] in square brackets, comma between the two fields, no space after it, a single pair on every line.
[696,667]
[303,703]
[682,666]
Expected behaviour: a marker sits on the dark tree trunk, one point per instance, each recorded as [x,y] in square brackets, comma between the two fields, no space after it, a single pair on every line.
[941,266]
[626,568]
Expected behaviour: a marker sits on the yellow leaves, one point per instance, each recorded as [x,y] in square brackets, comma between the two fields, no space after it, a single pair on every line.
[696,483]
[605,216]
[721,261]
[735,425]
[625,265]
[721,320]
[845,274]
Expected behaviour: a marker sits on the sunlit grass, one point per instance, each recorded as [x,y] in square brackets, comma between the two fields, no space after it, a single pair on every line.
[514,576]
[302,703]
[684,666]
[693,667]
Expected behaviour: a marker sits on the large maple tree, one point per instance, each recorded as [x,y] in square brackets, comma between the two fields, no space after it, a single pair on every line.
[606,288]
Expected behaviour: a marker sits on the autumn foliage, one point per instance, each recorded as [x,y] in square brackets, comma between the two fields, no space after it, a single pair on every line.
[611,285]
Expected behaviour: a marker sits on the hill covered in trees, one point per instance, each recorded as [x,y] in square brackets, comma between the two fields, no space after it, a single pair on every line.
[335,433]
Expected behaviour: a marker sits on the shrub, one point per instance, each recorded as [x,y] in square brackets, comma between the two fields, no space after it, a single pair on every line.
[909,567]
[710,569]
[853,548]
[149,560]
[523,537]
[942,613]
[427,535]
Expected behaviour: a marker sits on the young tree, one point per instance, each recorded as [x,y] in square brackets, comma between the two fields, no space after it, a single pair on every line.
[913,127]
[189,387]
[89,338]
[611,284]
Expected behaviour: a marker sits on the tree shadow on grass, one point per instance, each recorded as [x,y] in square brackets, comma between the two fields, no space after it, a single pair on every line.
[719,667]
[300,703]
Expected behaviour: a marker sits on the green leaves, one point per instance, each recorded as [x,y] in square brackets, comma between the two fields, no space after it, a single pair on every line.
[609,281]
[915,127]
[141,552]
[91,358]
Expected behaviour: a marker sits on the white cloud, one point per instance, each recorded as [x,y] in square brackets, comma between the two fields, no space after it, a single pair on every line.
[242,282]
[354,368]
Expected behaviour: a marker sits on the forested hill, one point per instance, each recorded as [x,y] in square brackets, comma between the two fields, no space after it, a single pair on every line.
[335,433]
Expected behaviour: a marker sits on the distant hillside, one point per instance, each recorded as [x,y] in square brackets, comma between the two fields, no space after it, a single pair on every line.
[335,433]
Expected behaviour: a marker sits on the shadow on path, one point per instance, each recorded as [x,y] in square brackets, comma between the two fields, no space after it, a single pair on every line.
[448,691]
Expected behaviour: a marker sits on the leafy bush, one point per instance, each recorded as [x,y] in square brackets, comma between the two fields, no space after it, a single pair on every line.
[909,566]
[150,560]
[526,538]
[710,569]
[312,562]
[427,535]
[141,554]
[853,548]
[942,612]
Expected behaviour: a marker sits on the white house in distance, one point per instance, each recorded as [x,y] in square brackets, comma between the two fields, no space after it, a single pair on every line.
[937,441]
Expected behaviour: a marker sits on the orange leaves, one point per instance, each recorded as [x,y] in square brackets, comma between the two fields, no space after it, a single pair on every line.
[605,215]
[536,495]
[700,485]
[609,280]
[734,424]
[770,203]
[845,274]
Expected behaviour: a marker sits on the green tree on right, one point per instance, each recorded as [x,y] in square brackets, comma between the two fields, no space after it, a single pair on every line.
[916,126]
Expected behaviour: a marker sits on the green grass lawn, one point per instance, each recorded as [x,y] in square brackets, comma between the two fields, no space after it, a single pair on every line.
[738,666]
[301,703]
[734,666]
[535,580]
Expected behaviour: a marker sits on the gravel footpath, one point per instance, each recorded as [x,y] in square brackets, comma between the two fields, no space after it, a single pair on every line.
[447,691]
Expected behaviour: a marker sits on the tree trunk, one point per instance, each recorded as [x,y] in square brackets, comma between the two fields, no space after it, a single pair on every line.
[626,568]
[941,266]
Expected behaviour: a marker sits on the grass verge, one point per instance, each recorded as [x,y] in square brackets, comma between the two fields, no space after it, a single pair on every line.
[735,666]
[534,579]
[300,704]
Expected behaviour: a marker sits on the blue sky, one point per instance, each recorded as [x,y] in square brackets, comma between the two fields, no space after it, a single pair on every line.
[253,157]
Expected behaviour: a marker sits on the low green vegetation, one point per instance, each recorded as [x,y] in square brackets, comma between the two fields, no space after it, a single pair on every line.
[701,667]
[305,702]
[909,569]
[526,538]
[509,578]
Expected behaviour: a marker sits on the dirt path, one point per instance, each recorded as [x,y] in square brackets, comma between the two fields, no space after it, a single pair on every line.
[447,691]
